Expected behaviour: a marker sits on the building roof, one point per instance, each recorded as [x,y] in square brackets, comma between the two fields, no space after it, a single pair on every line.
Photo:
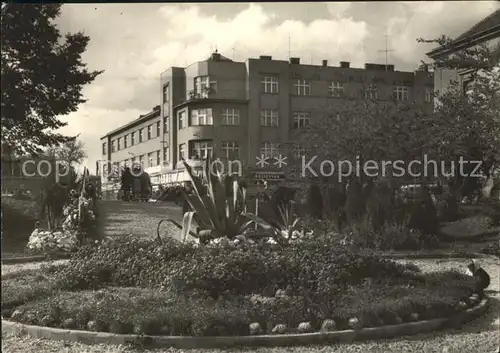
[152,114]
[216,56]
[484,30]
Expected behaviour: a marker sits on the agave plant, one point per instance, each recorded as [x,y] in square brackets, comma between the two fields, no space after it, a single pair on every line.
[218,205]
[283,226]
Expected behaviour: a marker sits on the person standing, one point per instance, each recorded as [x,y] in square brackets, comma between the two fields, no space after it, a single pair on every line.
[136,183]
[126,183]
[146,186]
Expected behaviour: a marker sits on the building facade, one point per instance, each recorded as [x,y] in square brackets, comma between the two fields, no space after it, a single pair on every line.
[240,111]
[485,32]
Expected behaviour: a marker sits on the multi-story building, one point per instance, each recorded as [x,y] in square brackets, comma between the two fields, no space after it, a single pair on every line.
[242,110]
[485,32]
[139,141]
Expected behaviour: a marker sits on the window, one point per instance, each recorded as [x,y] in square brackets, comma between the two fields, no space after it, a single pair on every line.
[182,120]
[113,146]
[401,93]
[203,86]
[158,161]
[166,155]
[158,128]
[141,161]
[104,148]
[230,116]
[269,150]
[132,138]
[302,87]
[166,123]
[201,149]
[141,135]
[119,143]
[125,141]
[151,160]
[336,89]
[298,152]
[182,151]
[230,150]
[429,94]
[166,93]
[150,132]
[371,92]
[201,117]
[269,117]
[270,84]
[301,120]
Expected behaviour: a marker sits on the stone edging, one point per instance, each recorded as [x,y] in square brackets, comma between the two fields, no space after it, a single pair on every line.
[34,258]
[402,255]
[186,342]
[435,255]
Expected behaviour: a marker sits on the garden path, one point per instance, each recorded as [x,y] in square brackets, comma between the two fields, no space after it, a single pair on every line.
[481,335]
[118,218]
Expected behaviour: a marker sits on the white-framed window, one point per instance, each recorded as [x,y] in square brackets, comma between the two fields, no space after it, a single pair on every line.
[150,132]
[166,93]
[401,93]
[301,120]
[269,149]
[302,87]
[336,89]
[141,135]
[270,84]
[132,138]
[201,149]
[166,123]
[230,150]
[299,151]
[204,86]
[182,120]
[119,147]
[371,91]
[166,155]
[151,160]
[113,146]
[182,151]
[230,116]
[269,117]
[158,128]
[104,148]
[201,116]
[125,141]
[158,160]
[429,94]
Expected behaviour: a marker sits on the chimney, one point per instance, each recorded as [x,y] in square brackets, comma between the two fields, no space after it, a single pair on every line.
[215,56]
[345,64]
[265,57]
[295,61]
[390,68]
[324,63]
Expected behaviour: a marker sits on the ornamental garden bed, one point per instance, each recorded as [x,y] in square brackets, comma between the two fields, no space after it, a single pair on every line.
[151,288]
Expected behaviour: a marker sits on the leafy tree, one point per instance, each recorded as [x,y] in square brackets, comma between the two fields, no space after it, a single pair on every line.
[70,152]
[42,76]
[467,124]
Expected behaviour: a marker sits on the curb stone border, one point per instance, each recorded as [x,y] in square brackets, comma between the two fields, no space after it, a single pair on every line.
[187,342]
[34,258]
[395,255]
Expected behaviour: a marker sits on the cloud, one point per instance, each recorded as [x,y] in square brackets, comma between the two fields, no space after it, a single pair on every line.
[134,43]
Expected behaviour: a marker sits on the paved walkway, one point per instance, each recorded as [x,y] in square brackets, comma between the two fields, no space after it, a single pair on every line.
[118,218]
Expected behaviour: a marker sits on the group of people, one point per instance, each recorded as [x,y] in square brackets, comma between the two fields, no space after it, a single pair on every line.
[136,185]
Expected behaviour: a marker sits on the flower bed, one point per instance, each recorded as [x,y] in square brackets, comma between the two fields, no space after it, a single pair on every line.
[77,226]
[137,286]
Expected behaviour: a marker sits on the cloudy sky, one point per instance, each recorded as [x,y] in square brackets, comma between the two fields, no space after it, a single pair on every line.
[134,43]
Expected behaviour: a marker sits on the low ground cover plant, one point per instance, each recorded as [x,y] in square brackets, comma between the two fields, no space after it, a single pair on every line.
[148,287]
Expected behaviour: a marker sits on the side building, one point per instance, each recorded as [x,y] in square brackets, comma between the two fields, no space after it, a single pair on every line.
[242,110]
[485,32]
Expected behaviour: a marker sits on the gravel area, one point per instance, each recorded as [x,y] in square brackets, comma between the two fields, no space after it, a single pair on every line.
[470,227]
[481,335]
